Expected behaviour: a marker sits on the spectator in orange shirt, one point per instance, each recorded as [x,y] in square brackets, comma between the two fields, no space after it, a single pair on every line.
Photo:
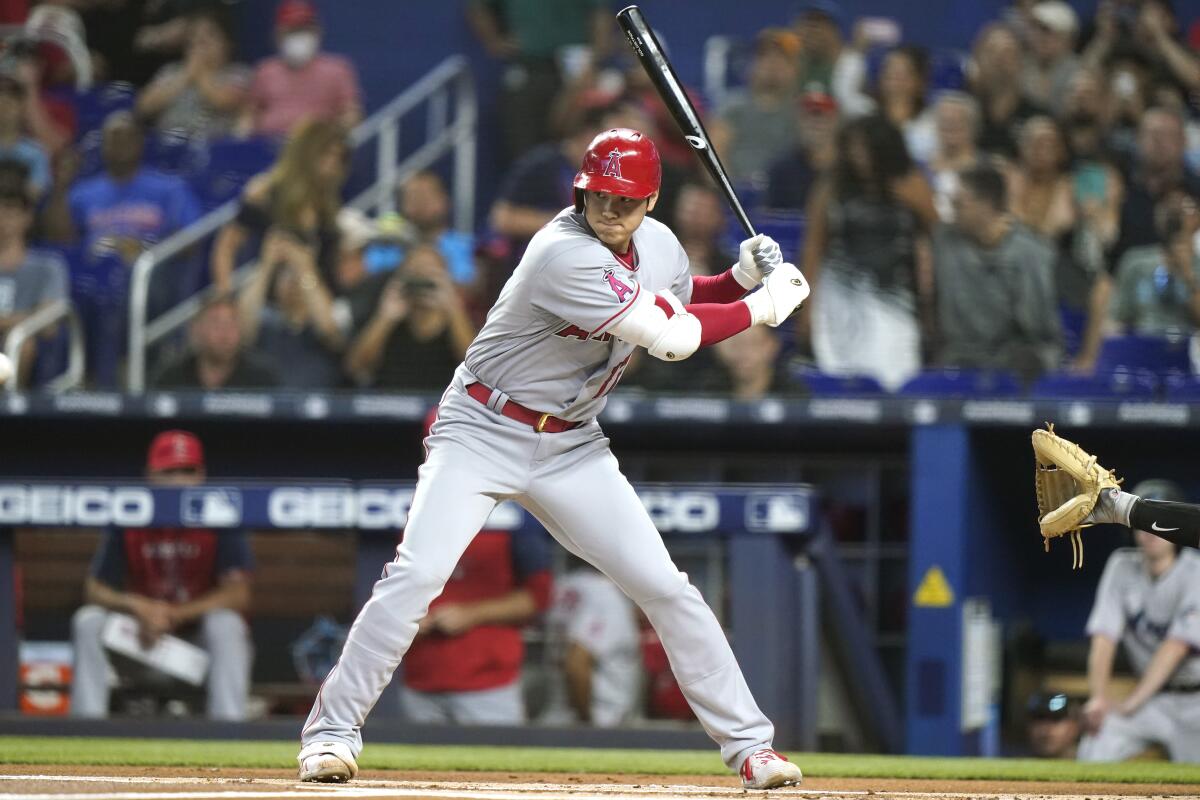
[301,82]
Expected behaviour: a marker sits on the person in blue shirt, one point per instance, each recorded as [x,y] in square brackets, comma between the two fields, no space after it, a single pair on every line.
[129,207]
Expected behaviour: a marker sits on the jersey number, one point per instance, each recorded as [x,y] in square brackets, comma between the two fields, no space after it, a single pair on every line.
[614,376]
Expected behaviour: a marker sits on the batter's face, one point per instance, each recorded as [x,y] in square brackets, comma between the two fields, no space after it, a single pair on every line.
[614,218]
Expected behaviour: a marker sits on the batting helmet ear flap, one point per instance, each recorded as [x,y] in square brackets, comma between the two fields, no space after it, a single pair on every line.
[579,201]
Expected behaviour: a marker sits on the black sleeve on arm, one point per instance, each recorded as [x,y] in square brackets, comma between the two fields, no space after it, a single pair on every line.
[1175,522]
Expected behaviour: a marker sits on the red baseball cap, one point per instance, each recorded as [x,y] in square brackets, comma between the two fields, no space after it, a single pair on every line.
[293,14]
[173,450]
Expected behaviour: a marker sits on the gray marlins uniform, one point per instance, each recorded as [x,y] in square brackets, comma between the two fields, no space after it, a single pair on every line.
[546,346]
[1141,613]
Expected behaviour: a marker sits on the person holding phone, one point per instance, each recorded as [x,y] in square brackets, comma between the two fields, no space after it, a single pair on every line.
[424,203]
[1158,286]
[419,331]
[287,312]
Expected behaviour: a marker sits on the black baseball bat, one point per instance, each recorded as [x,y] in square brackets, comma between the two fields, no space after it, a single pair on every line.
[645,45]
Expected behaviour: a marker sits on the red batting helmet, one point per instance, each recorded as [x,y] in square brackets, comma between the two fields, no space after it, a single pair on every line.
[620,161]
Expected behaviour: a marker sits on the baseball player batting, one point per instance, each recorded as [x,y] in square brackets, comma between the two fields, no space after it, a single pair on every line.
[519,422]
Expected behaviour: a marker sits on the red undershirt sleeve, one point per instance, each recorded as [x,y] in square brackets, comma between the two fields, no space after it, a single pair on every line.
[722,288]
[539,585]
[718,321]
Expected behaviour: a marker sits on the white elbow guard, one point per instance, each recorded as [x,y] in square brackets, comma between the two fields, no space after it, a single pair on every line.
[670,339]
[679,339]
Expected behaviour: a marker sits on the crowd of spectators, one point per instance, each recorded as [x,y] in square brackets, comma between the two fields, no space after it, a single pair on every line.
[93,97]
[1007,208]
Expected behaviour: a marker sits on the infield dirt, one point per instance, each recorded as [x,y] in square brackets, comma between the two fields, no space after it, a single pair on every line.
[113,783]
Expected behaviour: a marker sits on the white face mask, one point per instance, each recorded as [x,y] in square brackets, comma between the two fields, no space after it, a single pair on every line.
[299,48]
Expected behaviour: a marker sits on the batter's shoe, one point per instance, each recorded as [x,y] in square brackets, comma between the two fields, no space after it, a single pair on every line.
[766,769]
[327,762]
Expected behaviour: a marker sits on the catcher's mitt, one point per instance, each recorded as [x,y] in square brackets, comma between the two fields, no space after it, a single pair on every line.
[1068,481]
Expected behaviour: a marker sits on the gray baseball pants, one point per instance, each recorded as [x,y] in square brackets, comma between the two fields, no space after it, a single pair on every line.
[572,483]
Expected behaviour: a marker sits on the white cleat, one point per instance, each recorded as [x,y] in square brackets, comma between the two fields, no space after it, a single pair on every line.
[327,762]
[766,769]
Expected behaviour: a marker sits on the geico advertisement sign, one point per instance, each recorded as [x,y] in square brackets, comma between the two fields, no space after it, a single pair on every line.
[333,507]
[682,512]
[292,507]
[126,506]
[381,509]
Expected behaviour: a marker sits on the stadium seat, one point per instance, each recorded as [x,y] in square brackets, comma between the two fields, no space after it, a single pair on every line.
[92,106]
[947,69]
[176,153]
[821,384]
[1072,321]
[1158,354]
[1182,388]
[1120,384]
[230,163]
[172,152]
[785,227]
[956,382]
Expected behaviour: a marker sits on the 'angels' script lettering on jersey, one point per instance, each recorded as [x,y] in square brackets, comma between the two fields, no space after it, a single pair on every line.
[575,332]
[620,288]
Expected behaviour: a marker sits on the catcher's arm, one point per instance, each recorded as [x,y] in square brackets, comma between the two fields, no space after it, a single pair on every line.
[1074,492]
[1175,522]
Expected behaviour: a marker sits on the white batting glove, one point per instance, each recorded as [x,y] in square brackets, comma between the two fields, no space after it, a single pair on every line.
[782,292]
[757,256]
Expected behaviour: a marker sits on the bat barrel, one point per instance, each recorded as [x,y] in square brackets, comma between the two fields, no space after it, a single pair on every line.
[649,52]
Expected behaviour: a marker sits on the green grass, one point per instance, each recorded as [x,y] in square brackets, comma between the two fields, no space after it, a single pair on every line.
[281,755]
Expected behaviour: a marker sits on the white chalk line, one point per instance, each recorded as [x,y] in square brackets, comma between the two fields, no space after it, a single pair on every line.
[440,788]
[328,792]
[226,789]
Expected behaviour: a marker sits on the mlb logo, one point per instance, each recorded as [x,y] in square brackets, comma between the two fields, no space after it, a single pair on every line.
[211,508]
[777,512]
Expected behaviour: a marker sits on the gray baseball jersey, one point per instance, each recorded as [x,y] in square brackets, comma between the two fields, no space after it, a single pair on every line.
[1142,612]
[545,343]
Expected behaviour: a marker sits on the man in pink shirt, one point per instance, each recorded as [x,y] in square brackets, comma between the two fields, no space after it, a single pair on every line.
[301,82]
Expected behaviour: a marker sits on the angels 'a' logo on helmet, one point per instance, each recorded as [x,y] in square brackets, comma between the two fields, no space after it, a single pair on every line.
[612,167]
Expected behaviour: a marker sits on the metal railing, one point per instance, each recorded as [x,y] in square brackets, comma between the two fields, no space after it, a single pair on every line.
[31,326]
[717,51]
[449,86]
